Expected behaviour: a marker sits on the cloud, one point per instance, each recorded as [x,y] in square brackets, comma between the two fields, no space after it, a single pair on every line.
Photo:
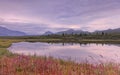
[104,23]
[31,28]
[34,16]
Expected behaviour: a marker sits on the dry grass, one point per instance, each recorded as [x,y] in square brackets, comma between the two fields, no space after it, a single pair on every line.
[28,65]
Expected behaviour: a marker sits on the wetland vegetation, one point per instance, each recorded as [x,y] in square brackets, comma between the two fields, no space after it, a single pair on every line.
[15,64]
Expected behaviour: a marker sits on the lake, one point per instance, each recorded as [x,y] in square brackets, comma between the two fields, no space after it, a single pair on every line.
[70,51]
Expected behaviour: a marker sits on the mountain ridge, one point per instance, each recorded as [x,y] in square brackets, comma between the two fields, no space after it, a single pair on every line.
[72,31]
[7,32]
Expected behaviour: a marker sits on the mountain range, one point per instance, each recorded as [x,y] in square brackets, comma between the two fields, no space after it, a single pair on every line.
[7,32]
[117,30]
[71,31]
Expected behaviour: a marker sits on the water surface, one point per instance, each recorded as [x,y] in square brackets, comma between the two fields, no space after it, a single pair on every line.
[76,52]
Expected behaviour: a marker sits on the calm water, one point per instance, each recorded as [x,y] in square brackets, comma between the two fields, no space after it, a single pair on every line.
[75,52]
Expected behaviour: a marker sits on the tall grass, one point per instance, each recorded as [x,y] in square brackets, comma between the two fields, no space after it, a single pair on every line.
[4,44]
[28,65]
[11,64]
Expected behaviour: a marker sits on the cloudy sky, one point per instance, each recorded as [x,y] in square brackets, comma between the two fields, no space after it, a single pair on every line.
[38,16]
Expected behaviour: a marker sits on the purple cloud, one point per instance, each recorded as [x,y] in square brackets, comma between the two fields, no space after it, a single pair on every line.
[53,15]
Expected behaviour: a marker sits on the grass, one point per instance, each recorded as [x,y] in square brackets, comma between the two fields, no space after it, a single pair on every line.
[111,38]
[13,64]
[4,44]
[28,65]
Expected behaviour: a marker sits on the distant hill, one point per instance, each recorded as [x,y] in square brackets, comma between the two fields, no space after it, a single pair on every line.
[112,30]
[117,31]
[69,31]
[6,32]
[48,33]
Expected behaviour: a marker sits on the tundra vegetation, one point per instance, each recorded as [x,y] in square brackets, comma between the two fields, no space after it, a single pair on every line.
[14,64]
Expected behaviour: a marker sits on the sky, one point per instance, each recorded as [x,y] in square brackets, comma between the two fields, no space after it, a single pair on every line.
[39,16]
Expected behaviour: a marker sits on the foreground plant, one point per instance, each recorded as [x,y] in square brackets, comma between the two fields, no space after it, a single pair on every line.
[28,65]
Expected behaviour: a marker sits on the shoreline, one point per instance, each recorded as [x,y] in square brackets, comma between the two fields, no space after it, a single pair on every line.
[20,64]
